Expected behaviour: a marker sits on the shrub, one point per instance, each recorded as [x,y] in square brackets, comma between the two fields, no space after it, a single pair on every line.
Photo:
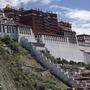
[88,66]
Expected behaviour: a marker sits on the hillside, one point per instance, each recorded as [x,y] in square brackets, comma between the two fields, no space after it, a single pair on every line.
[19,71]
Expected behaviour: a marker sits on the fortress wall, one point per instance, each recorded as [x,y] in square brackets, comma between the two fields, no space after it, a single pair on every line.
[68,51]
[30,37]
[86,52]
[87,57]
[65,50]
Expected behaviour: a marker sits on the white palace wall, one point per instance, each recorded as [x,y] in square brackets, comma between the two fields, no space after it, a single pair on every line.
[66,50]
[86,53]
[25,33]
[17,32]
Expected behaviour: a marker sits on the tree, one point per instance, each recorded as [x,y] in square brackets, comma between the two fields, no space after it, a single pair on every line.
[88,66]
[81,64]
[65,61]
[59,61]
[72,63]
[7,40]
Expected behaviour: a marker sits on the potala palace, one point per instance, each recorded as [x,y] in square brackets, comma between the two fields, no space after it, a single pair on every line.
[45,32]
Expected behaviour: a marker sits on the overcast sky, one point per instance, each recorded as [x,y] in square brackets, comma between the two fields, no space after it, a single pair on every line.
[76,12]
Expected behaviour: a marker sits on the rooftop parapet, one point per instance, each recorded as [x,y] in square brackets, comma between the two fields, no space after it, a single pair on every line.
[84,39]
[64,25]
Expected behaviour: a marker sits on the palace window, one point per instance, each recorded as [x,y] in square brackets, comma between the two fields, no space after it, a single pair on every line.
[21,30]
[29,31]
[13,31]
[9,29]
[24,31]
[4,28]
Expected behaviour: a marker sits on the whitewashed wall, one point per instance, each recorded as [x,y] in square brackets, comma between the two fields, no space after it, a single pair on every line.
[86,53]
[67,50]
[30,37]
[63,50]
[87,57]
[8,32]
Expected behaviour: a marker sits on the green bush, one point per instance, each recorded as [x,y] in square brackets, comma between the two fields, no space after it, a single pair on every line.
[88,66]
[7,40]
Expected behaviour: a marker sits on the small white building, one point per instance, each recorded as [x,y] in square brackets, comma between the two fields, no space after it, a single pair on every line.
[15,30]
